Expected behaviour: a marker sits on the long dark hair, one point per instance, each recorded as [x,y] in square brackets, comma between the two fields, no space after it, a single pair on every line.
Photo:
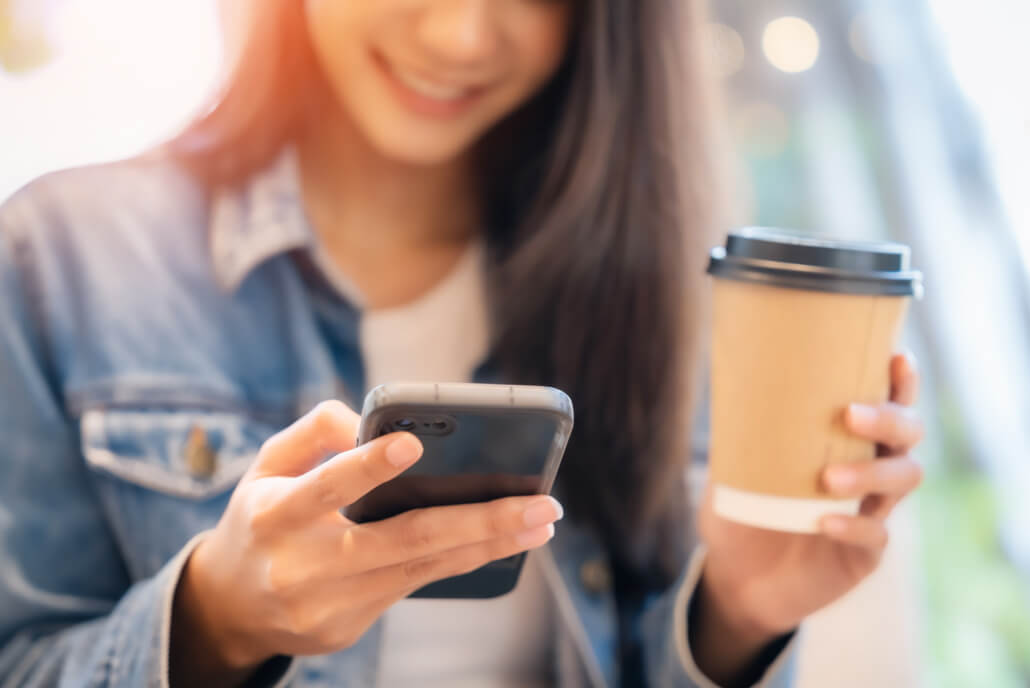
[600,201]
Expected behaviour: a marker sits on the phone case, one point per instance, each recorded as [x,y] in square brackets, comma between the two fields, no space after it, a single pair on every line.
[511,420]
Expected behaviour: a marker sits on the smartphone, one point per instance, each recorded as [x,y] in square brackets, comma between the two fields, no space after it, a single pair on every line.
[481,442]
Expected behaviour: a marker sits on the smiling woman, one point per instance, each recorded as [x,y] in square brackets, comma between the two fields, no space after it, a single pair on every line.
[506,191]
[424,88]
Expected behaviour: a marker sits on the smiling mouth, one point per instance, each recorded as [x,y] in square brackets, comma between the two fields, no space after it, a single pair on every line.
[429,89]
[427,96]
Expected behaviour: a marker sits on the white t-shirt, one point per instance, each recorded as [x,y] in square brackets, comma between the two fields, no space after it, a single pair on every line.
[501,643]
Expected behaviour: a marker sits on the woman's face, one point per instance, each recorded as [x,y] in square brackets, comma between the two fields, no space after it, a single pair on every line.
[422,80]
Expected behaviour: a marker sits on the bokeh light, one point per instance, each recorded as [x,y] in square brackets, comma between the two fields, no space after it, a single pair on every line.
[132,73]
[859,38]
[790,44]
[725,49]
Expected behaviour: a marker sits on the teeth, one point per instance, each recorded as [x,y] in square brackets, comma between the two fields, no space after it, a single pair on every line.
[428,88]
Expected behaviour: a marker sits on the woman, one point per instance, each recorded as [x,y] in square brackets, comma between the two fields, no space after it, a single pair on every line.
[510,190]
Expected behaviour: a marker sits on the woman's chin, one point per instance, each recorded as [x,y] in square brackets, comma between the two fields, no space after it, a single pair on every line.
[421,150]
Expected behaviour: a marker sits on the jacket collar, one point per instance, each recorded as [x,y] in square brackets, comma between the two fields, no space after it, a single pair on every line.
[257,221]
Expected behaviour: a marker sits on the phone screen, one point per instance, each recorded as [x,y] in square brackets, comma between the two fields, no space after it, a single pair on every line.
[470,455]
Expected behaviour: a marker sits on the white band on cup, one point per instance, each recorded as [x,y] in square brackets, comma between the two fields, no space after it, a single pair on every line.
[792,514]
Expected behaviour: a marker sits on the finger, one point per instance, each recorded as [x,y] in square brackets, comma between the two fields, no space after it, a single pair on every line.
[344,635]
[425,532]
[892,476]
[327,429]
[330,609]
[404,578]
[347,477]
[860,531]
[895,426]
[904,375]
[319,620]
[879,506]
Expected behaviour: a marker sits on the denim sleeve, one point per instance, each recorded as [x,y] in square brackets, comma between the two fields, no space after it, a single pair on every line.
[69,614]
[668,658]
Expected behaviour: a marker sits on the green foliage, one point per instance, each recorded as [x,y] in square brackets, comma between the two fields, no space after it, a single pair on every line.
[979,604]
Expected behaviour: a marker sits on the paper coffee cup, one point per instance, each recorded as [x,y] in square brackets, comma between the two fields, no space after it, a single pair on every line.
[802,327]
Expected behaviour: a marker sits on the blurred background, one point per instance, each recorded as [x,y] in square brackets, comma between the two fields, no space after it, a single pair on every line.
[906,120]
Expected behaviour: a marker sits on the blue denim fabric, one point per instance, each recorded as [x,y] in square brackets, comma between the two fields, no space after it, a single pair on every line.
[138,312]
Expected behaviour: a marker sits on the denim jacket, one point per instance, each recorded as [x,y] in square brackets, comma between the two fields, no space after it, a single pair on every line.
[152,335]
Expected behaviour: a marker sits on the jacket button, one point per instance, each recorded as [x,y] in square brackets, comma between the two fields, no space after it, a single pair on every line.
[596,576]
[200,458]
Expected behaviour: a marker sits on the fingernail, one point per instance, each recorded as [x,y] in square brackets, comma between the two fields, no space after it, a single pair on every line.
[862,415]
[542,512]
[532,538]
[840,479]
[834,525]
[403,450]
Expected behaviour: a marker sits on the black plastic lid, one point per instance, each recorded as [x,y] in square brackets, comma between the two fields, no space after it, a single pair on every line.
[786,259]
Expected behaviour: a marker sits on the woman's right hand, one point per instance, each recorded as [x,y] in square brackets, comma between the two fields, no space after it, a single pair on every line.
[285,573]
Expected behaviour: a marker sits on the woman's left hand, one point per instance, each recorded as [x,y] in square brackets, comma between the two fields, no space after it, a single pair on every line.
[762,583]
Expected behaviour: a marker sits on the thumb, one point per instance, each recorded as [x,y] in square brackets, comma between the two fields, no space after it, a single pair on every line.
[328,429]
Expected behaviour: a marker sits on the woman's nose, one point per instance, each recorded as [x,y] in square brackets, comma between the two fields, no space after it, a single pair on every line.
[460,31]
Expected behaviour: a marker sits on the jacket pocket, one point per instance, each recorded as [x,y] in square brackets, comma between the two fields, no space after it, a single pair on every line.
[165,474]
[188,454]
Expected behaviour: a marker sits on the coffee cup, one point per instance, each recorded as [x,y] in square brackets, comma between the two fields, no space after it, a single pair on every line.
[802,327]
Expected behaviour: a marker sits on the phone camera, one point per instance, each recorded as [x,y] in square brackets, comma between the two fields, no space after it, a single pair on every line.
[424,425]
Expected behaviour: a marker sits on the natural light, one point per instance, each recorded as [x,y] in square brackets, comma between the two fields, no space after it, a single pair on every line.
[125,74]
[989,58]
